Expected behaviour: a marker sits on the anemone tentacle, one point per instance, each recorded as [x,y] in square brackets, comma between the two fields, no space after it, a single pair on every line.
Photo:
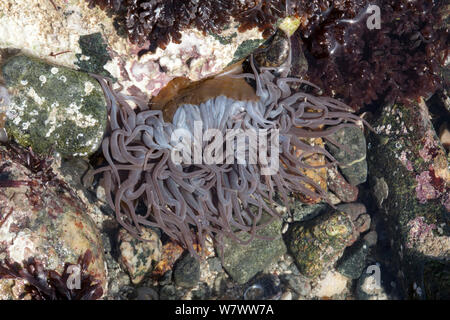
[191,202]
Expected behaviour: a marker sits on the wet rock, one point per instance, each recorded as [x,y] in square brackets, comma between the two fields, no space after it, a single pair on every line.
[354,260]
[352,156]
[202,293]
[78,44]
[53,107]
[436,280]
[406,155]
[299,66]
[145,293]
[331,285]
[303,212]
[187,272]
[44,221]
[138,256]
[242,262]
[73,170]
[168,292]
[274,52]
[286,296]
[297,283]
[263,287]
[341,188]
[215,264]
[319,243]
[444,135]
[369,288]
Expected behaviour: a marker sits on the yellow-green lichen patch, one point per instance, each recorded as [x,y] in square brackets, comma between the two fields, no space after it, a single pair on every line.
[54,107]
[318,243]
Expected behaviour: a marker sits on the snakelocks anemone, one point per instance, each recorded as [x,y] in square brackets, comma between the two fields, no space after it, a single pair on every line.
[191,201]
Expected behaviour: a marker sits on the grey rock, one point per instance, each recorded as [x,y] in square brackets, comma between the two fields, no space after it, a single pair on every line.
[53,107]
[303,212]
[187,272]
[352,162]
[352,263]
[168,292]
[297,283]
[145,293]
[243,262]
[215,264]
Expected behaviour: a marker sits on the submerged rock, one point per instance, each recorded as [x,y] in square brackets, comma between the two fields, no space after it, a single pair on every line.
[53,107]
[187,271]
[436,280]
[319,243]
[44,221]
[242,262]
[352,156]
[354,260]
[410,179]
[139,256]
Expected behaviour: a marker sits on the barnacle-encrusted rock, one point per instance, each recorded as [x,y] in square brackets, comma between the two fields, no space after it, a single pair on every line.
[407,156]
[318,243]
[352,157]
[243,262]
[44,221]
[138,256]
[53,107]
[87,39]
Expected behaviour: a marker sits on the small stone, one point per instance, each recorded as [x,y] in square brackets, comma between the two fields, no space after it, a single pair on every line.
[242,262]
[65,113]
[202,293]
[444,135]
[145,293]
[263,287]
[297,283]
[341,188]
[353,162]
[333,284]
[168,292]
[286,296]
[137,256]
[187,272]
[275,53]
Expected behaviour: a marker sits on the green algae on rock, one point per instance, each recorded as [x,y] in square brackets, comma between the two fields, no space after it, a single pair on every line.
[406,156]
[242,262]
[317,244]
[53,107]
